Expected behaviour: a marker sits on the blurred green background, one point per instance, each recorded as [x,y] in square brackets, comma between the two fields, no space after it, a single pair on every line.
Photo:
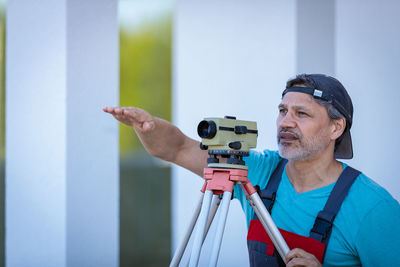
[145,82]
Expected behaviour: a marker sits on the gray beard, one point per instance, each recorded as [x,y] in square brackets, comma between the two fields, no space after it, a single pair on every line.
[303,149]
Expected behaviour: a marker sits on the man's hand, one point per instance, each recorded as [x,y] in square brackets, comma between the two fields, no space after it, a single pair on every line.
[298,257]
[138,118]
[162,139]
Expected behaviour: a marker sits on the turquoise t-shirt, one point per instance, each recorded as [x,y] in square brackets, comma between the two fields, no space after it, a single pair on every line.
[366,230]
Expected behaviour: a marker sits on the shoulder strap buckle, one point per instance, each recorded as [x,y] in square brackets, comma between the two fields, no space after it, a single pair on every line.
[268,198]
[269,201]
[322,226]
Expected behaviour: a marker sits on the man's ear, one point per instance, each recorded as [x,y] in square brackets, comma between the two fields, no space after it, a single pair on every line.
[339,125]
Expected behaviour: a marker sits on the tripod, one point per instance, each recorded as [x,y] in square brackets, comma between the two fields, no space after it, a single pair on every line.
[220,179]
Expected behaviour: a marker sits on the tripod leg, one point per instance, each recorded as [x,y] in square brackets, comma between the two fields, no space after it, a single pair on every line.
[201,225]
[182,246]
[220,228]
[269,225]
[213,211]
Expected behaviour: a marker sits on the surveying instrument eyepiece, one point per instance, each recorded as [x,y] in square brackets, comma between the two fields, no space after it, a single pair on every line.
[227,140]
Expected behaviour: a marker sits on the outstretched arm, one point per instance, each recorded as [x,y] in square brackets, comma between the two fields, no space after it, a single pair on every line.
[162,139]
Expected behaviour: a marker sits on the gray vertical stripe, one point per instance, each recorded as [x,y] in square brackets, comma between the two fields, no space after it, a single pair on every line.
[316,36]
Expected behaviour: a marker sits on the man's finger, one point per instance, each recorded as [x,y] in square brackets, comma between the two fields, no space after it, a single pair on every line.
[299,257]
[298,253]
[132,116]
[299,262]
[108,109]
[118,110]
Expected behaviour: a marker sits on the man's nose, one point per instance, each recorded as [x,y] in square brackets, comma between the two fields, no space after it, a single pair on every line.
[286,121]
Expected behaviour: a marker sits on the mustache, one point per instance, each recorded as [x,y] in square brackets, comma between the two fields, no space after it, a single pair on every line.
[287,130]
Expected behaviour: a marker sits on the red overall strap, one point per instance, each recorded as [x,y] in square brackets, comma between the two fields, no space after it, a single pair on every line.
[257,233]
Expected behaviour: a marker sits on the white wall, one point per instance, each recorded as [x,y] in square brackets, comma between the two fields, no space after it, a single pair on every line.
[368,64]
[62,151]
[233,58]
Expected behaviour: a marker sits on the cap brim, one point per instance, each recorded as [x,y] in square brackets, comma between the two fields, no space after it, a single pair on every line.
[345,149]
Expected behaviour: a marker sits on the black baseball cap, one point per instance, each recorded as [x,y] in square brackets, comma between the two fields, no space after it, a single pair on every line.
[328,89]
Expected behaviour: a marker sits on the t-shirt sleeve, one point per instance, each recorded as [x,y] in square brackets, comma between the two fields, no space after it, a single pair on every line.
[260,165]
[378,238]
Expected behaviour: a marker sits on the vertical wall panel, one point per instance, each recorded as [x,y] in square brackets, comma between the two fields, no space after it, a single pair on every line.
[315,36]
[36,133]
[61,150]
[368,63]
[92,135]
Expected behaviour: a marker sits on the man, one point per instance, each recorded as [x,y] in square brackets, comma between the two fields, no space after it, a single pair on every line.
[327,211]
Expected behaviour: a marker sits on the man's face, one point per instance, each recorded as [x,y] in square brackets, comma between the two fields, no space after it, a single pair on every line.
[303,127]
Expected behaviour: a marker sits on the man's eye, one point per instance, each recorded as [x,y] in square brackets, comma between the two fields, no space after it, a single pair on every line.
[282,110]
[302,113]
